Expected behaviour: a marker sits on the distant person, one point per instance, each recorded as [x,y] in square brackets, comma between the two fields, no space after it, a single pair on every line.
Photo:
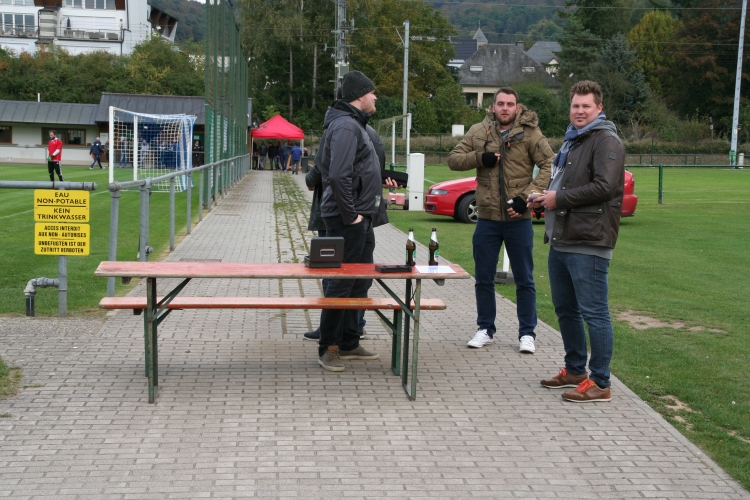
[284,151]
[296,156]
[96,152]
[54,156]
[197,154]
[262,152]
[583,205]
[123,152]
[143,150]
[272,152]
[503,149]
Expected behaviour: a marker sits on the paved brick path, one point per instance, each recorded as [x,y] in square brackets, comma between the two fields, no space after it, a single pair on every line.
[244,410]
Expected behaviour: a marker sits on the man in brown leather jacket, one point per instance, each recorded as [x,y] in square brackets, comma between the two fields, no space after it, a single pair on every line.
[583,204]
[503,149]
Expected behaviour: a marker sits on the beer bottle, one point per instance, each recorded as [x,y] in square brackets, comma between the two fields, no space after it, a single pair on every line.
[411,248]
[434,248]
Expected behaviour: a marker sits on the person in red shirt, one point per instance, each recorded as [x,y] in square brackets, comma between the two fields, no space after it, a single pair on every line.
[54,155]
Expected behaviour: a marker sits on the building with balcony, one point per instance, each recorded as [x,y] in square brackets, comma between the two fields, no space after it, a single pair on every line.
[81,26]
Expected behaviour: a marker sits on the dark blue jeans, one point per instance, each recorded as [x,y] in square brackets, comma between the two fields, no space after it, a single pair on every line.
[338,326]
[580,293]
[519,242]
[283,162]
[96,159]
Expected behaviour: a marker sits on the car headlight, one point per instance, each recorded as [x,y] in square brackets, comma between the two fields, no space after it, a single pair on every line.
[438,191]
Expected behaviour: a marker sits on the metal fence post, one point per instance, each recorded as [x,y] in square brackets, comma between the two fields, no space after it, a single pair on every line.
[62,288]
[171,213]
[661,184]
[201,174]
[215,173]
[114,216]
[145,192]
[189,202]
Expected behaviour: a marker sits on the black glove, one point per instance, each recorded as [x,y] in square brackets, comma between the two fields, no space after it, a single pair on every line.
[518,205]
[489,160]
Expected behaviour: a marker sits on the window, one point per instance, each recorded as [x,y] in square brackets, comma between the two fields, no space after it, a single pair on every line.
[75,137]
[67,136]
[17,24]
[6,134]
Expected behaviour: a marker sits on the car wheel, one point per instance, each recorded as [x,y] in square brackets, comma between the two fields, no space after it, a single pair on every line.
[467,209]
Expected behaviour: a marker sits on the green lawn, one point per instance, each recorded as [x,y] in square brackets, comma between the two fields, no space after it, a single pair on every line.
[686,260]
[20,264]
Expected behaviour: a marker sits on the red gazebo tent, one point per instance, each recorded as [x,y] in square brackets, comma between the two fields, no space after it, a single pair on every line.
[278,128]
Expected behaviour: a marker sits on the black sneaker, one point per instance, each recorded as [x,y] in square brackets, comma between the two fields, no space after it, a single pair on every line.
[312,335]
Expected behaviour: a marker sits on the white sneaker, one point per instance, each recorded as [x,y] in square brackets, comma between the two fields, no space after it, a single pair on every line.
[481,339]
[527,344]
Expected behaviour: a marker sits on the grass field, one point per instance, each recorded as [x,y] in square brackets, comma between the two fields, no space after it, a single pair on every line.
[84,291]
[686,261]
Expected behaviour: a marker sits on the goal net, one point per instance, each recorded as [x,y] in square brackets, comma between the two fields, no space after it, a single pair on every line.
[151,145]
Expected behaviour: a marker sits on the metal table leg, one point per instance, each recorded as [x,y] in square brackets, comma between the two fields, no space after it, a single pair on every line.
[411,388]
[150,327]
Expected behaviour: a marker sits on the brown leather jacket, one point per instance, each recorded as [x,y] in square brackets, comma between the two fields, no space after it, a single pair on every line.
[589,201]
[525,146]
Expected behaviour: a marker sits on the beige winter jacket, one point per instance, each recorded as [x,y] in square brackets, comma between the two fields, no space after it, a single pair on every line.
[513,176]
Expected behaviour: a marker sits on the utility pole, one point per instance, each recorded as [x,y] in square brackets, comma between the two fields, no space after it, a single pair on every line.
[315,73]
[405,107]
[737,83]
[341,57]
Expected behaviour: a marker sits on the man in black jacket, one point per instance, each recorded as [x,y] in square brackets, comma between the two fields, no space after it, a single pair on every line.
[583,205]
[314,181]
[352,191]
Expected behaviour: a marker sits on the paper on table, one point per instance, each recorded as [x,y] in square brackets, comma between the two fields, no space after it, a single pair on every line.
[435,269]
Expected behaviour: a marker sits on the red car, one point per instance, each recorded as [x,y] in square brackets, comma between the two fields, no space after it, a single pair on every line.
[456,199]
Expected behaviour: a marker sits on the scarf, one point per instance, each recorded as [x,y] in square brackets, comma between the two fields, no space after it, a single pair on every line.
[571,136]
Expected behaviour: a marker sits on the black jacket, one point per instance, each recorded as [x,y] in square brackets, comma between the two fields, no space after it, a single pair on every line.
[314,179]
[589,200]
[348,165]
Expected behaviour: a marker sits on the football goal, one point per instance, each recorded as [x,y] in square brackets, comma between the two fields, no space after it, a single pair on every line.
[152,145]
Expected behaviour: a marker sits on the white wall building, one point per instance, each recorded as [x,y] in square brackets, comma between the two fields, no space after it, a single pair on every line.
[81,26]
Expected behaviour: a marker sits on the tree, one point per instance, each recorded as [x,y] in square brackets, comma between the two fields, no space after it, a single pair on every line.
[154,68]
[544,30]
[602,18]
[551,108]
[623,84]
[580,51]
[701,81]
[652,40]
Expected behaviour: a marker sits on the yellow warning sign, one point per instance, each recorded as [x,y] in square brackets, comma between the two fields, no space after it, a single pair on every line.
[61,239]
[61,206]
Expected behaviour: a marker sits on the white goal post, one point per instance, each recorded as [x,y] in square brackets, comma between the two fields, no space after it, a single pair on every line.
[152,145]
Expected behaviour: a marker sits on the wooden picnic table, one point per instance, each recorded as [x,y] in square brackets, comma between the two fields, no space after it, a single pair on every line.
[157,308]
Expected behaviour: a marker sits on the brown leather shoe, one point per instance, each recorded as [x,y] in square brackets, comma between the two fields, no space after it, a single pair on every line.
[588,392]
[564,379]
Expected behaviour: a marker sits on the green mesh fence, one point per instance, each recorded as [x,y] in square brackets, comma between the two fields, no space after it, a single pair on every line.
[226,84]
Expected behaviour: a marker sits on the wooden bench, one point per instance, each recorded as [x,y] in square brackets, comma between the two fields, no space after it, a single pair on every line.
[155,309]
[138,304]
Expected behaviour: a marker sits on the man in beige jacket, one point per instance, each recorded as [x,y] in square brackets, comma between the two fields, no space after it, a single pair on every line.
[504,148]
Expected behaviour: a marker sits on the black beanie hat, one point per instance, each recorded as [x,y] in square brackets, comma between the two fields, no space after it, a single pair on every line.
[355,85]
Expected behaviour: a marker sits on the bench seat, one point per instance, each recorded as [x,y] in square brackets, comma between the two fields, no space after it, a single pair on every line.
[139,303]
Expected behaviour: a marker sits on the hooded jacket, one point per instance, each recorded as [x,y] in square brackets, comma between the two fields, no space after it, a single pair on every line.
[348,165]
[513,176]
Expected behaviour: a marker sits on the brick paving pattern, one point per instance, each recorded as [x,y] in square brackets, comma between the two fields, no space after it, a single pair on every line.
[244,411]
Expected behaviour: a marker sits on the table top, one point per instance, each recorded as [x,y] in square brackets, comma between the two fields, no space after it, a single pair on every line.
[261,270]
